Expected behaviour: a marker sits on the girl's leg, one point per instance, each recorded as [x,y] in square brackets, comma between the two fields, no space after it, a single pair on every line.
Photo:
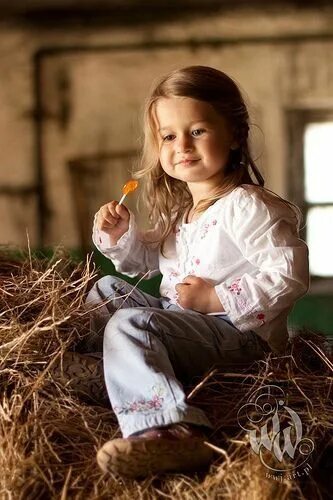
[140,379]
[146,354]
[107,296]
[148,351]
[119,294]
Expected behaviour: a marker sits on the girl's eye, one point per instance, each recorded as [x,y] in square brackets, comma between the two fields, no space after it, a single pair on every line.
[197,132]
[168,138]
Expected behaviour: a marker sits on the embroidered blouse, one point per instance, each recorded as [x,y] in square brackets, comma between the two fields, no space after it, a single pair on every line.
[246,244]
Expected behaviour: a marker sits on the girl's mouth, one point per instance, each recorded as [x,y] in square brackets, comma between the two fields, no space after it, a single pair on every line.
[188,161]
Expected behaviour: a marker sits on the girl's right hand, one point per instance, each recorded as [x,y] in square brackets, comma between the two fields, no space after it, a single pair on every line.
[113,219]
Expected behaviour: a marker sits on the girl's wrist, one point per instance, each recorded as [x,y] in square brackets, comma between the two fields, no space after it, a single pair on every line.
[213,303]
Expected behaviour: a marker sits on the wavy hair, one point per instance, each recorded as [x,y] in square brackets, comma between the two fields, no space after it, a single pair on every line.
[167,198]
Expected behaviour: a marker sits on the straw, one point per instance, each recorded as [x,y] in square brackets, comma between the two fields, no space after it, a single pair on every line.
[51,427]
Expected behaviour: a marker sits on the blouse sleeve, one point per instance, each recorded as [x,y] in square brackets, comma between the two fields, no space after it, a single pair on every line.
[267,236]
[132,255]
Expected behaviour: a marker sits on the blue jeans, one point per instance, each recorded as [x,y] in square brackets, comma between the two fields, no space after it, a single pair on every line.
[151,348]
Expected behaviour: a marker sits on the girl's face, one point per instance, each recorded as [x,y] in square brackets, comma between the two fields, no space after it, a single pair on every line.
[194,141]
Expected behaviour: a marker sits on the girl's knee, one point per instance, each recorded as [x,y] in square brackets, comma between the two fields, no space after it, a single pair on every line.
[107,282]
[103,288]
[133,316]
[129,322]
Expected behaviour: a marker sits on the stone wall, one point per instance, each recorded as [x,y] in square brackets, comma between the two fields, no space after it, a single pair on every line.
[90,82]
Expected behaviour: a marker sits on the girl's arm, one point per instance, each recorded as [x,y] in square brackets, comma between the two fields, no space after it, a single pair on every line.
[266,234]
[131,255]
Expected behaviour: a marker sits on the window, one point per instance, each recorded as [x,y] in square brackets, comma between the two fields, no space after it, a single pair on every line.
[311,185]
[318,176]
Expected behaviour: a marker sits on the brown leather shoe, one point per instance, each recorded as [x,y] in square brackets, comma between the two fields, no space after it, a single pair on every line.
[175,448]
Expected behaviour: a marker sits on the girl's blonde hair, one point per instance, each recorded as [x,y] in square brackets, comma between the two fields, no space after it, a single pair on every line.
[168,198]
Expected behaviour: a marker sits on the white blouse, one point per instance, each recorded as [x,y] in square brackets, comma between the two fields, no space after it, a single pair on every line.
[246,244]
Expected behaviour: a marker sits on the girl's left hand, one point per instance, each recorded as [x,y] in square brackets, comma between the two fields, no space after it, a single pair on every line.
[197,294]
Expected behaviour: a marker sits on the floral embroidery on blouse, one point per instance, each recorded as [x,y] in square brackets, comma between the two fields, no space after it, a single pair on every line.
[206,228]
[242,304]
[173,274]
[144,405]
[261,317]
[194,263]
[234,287]
[236,290]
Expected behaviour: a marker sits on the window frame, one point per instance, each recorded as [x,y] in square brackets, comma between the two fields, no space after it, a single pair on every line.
[297,120]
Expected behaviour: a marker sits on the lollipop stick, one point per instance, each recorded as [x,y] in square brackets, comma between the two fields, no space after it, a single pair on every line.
[122,199]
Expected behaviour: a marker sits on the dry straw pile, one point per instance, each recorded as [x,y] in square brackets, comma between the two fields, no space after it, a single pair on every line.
[51,425]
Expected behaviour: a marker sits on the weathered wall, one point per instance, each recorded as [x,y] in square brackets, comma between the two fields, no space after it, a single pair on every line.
[281,60]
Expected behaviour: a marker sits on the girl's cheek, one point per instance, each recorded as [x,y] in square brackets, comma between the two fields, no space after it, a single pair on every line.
[164,156]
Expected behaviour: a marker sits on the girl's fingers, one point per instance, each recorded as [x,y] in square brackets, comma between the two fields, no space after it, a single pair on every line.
[111,207]
[122,212]
[102,224]
[190,279]
[106,216]
[110,215]
[107,224]
[118,211]
[179,287]
[105,220]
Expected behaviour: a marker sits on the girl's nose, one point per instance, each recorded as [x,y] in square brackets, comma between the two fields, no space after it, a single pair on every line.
[184,143]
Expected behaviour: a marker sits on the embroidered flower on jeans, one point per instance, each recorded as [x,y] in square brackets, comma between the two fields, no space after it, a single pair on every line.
[144,405]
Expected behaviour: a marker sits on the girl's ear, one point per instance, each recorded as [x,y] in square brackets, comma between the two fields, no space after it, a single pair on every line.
[234,145]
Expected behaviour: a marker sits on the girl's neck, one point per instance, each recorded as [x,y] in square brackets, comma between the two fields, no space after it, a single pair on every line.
[196,198]
[190,215]
[202,190]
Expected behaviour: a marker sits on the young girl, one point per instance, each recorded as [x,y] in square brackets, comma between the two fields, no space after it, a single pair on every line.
[232,265]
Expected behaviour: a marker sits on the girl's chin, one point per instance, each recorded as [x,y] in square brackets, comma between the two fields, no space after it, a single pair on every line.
[198,175]
[187,175]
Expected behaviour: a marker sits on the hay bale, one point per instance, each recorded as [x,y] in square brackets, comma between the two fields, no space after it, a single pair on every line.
[52,423]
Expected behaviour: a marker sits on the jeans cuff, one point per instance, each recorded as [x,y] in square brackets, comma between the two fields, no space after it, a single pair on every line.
[129,424]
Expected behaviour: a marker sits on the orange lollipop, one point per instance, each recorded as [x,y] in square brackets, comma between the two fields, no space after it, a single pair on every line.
[129,187]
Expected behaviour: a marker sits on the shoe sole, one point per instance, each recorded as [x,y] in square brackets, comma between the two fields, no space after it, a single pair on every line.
[142,457]
[83,374]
